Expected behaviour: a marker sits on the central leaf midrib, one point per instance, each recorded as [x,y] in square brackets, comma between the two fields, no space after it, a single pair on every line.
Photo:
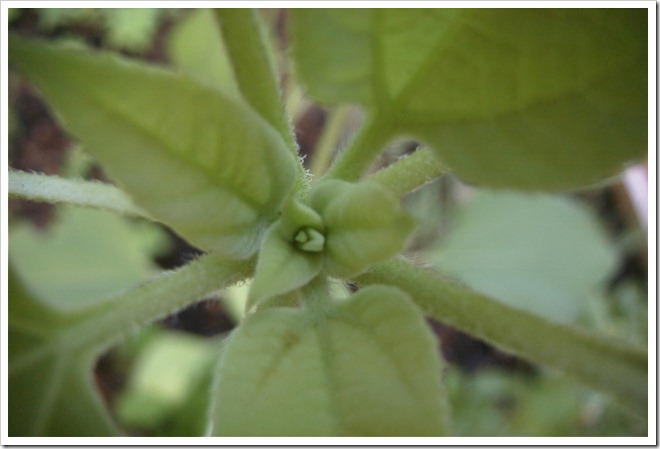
[326,351]
[171,151]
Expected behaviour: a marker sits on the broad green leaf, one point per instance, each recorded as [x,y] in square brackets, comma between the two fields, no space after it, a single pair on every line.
[527,98]
[282,267]
[364,224]
[51,392]
[196,46]
[195,159]
[369,366]
[544,254]
[85,256]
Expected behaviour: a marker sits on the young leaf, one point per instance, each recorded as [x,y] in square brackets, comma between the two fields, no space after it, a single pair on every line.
[524,98]
[364,224]
[281,267]
[199,161]
[369,367]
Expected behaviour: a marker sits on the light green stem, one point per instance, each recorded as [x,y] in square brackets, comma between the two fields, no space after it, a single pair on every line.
[611,367]
[410,172]
[248,47]
[53,189]
[325,147]
[109,322]
[367,144]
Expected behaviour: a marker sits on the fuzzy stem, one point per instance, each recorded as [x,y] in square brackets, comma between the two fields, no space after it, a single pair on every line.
[368,143]
[53,189]
[248,47]
[410,172]
[109,322]
[608,366]
[324,149]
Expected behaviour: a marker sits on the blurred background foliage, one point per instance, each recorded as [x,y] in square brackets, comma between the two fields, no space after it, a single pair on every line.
[578,258]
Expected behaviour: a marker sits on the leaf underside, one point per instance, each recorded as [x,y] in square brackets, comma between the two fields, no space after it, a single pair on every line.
[368,367]
[539,99]
[196,159]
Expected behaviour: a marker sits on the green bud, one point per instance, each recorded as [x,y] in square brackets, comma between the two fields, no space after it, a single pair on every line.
[309,240]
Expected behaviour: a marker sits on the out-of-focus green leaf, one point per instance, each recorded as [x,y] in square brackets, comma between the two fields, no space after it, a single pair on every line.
[51,18]
[541,253]
[166,375]
[131,28]
[51,389]
[198,160]
[528,98]
[499,403]
[195,45]
[367,366]
[85,256]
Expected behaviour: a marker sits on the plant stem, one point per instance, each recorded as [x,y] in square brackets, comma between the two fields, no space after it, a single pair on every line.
[351,163]
[53,189]
[324,149]
[608,366]
[247,44]
[410,172]
[107,323]
[316,296]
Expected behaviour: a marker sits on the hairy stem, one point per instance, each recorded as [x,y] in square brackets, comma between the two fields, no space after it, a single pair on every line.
[324,149]
[367,144]
[611,367]
[53,189]
[249,50]
[109,322]
[410,172]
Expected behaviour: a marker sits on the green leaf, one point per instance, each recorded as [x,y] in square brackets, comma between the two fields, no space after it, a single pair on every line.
[281,267]
[196,47]
[368,367]
[364,224]
[541,253]
[195,159]
[85,256]
[525,98]
[51,391]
